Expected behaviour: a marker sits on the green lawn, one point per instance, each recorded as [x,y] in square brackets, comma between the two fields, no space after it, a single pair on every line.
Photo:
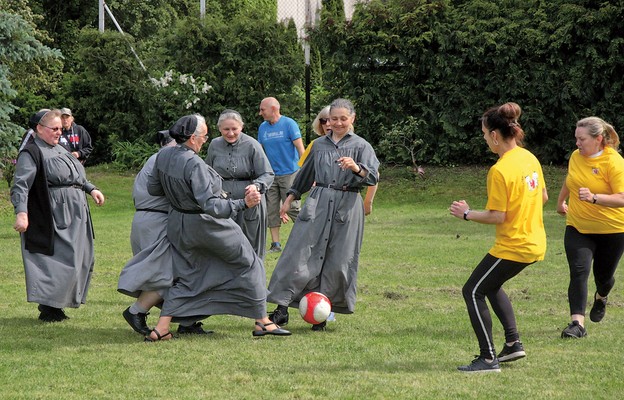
[409,332]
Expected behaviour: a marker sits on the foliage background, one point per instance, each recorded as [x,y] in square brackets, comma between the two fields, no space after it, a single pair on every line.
[425,69]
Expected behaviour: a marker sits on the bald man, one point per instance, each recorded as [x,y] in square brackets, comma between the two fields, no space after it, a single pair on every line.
[281,138]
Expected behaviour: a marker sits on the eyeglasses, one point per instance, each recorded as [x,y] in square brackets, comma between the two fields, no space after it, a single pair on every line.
[204,137]
[55,129]
[323,121]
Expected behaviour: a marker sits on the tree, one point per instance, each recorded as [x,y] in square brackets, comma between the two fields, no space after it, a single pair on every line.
[18,44]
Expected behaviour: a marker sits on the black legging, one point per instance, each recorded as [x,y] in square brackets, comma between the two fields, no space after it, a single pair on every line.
[486,281]
[581,248]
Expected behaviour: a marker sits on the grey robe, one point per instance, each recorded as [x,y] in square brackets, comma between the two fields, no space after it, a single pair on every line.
[241,164]
[151,267]
[323,248]
[222,273]
[61,280]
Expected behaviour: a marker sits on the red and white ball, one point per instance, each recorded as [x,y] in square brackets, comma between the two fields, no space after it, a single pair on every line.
[314,308]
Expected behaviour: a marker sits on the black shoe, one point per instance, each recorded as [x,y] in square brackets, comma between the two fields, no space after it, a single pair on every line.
[51,314]
[195,329]
[511,353]
[480,365]
[279,316]
[598,310]
[319,327]
[574,331]
[138,322]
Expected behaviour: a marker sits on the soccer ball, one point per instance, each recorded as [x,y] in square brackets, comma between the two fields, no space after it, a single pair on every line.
[314,308]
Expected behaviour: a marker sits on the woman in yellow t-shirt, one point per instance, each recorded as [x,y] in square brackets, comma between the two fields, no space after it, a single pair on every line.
[516,196]
[594,219]
[321,126]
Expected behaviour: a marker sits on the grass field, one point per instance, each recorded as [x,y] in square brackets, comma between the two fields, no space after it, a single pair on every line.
[409,332]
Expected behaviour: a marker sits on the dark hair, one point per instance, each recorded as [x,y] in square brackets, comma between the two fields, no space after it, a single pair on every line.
[504,118]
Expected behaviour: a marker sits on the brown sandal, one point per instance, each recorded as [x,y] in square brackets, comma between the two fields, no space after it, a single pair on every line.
[277,332]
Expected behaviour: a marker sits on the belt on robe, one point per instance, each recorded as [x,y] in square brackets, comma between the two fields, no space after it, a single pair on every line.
[237,179]
[188,211]
[342,188]
[72,185]
[152,210]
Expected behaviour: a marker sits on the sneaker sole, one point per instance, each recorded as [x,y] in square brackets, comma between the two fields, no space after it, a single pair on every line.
[568,336]
[482,371]
[512,357]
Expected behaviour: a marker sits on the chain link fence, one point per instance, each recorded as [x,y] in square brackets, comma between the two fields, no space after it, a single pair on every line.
[307,11]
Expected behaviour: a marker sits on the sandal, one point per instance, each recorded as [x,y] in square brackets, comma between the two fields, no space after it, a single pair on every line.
[277,332]
[159,337]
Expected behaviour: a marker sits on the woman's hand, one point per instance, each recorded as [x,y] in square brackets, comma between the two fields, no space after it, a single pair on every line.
[98,197]
[346,163]
[21,222]
[586,195]
[252,198]
[285,208]
[458,208]
[368,207]
[562,208]
[251,188]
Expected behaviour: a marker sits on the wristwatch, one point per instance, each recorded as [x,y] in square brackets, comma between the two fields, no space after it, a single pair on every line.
[466,214]
[595,199]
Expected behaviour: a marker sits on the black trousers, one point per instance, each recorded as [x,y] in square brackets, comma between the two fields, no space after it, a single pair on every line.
[581,248]
[486,281]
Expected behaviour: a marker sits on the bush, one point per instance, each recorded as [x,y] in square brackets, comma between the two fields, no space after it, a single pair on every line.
[132,155]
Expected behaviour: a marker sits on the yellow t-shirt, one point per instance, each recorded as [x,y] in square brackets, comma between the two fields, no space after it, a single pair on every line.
[305,154]
[515,185]
[603,174]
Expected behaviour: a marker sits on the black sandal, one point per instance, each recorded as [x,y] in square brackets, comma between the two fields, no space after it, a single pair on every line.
[159,337]
[277,332]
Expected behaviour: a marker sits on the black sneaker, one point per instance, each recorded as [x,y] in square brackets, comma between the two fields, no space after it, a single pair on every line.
[279,316]
[479,365]
[511,353]
[195,329]
[574,331]
[319,327]
[598,310]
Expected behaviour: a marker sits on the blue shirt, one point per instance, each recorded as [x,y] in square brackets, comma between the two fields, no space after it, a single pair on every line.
[277,140]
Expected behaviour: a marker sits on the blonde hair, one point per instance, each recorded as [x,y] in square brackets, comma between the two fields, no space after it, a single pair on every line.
[316,124]
[598,127]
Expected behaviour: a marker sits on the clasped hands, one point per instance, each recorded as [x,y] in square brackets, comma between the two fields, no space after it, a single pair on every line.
[252,196]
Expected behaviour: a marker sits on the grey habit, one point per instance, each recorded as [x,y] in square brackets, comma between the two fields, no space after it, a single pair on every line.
[151,268]
[323,248]
[222,273]
[240,164]
[61,280]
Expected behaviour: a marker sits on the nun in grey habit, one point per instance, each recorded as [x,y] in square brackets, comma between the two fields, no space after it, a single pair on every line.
[150,272]
[240,160]
[221,274]
[323,248]
[52,215]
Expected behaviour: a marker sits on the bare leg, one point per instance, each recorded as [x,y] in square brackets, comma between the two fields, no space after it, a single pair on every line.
[148,299]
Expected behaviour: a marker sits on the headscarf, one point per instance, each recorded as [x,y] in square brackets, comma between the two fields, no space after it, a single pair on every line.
[184,128]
